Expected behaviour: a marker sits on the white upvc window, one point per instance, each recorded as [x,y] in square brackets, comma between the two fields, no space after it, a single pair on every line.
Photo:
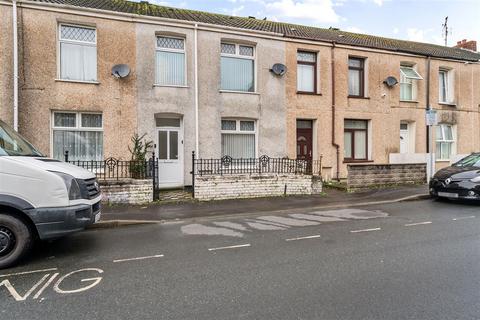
[170,68]
[78,53]
[408,83]
[445,142]
[239,138]
[237,67]
[445,86]
[306,71]
[79,133]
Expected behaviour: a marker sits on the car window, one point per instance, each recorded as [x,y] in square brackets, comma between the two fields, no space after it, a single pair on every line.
[470,161]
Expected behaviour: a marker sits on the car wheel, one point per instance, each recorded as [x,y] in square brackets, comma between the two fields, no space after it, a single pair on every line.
[15,240]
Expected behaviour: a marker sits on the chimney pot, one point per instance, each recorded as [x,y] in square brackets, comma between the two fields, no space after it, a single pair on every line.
[469,45]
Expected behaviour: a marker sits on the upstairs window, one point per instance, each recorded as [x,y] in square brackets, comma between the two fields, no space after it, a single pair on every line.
[306,71]
[356,77]
[79,133]
[445,86]
[239,138]
[170,61]
[78,53]
[408,83]
[445,141]
[237,67]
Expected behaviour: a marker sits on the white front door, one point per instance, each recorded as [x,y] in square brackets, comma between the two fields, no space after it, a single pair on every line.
[170,156]
[404,138]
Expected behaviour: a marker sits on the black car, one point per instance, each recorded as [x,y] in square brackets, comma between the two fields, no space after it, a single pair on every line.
[459,181]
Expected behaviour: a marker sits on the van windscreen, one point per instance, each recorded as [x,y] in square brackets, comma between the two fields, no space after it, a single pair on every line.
[13,144]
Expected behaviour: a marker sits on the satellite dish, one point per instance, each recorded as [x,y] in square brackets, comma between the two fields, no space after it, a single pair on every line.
[279,69]
[120,71]
[390,81]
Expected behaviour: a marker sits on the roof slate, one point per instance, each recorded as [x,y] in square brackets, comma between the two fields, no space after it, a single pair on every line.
[288,30]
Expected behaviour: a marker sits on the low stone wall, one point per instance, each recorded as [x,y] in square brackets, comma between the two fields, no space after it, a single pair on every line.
[368,176]
[127,191]
[219,187]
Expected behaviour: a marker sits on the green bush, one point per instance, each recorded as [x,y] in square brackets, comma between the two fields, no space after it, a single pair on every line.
[140,148]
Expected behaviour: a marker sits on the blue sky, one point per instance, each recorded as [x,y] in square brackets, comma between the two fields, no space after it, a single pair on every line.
[419,20]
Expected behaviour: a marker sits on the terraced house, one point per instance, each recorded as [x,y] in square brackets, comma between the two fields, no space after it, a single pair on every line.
[204,82]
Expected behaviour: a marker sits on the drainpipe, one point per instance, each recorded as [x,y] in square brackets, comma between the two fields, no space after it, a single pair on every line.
[15,66]
[196,89]
[334,142]
[429,128]
[427,107]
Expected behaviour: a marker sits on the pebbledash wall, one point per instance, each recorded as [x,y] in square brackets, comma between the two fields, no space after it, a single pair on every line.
[127,191]
[220,187]
[368,176]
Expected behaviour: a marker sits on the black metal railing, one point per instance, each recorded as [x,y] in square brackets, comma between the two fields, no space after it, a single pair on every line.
[116,169]
[264,164]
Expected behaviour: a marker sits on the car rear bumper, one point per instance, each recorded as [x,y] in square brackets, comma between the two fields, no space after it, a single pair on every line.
[57,222]
[455,190]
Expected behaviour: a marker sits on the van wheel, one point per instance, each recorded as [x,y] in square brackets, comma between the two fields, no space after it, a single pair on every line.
[15,240]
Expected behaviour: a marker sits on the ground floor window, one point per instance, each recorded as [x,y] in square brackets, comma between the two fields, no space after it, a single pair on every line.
[355,140]
[79,133]
[238,138]
[444,142]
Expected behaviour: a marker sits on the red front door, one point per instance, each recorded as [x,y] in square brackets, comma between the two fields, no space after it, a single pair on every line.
[304,139]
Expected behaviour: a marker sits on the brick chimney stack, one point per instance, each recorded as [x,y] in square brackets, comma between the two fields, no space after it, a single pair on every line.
[469,45]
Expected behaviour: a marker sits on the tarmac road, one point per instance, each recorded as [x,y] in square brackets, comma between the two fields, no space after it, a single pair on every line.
[411,260]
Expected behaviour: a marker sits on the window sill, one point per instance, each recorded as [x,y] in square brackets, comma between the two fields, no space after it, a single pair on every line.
[358,97]
[442,160]
[168,86]
[77,81]
[309,93]
[358,161]
[240,92]
[409,101]
[448,104]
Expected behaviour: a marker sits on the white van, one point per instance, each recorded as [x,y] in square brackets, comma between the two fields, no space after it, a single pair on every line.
[40,198]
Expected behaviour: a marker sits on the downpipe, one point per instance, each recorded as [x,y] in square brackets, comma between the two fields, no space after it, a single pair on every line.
[334,142]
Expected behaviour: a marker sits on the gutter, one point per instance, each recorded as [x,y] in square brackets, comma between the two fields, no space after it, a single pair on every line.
[15,65]
[334,141]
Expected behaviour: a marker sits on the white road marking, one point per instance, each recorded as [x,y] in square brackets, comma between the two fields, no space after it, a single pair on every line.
[288,221]
[303,238]
[463,218]
[231,225]
[263,226]
[365,230]
[418,223]
[39,293]
[200,229]
[230,247]
[27,272]
[139,258]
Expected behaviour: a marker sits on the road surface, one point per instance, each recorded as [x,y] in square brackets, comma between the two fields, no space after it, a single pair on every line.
[411,260]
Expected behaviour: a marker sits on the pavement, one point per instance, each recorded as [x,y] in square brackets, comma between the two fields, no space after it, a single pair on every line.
[404,260]
[332,198]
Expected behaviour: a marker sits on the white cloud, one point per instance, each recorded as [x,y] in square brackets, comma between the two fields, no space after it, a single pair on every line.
[354,30]
[378,2]
[236,10]
[415,34]
[318,11]
[396,30]
[424,35]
